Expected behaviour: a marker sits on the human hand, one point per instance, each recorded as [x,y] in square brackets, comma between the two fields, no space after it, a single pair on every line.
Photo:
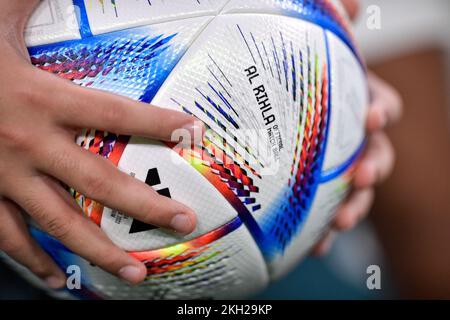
[40,116]
[378,159]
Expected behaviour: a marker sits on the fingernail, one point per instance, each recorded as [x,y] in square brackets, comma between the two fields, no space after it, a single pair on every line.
[131,274]
[181,223]
[196,130]
[54,282]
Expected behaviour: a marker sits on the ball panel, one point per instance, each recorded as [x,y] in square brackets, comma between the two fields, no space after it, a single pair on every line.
[221,264]
[107,16]
[287,58]
[349,101]
[328,14]
[274,82]
[326,201]
[132,63]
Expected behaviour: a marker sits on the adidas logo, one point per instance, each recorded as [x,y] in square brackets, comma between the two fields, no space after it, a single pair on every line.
[153,180]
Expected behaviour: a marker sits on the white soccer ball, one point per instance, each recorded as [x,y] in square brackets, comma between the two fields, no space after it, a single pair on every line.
[280,86]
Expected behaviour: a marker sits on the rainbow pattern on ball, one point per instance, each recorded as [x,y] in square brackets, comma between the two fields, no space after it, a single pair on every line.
[234,65]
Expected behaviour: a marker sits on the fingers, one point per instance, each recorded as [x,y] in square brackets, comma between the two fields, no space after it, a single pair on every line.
[41,199]
[96,178]
[375,166]
[95,109]
[17,243]
[386,104]
[352,7]
[377,162]
[354,210]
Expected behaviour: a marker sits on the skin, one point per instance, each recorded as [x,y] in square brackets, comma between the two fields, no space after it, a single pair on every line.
[31,168]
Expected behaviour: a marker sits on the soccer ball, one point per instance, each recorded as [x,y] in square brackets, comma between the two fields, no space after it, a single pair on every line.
[281,88]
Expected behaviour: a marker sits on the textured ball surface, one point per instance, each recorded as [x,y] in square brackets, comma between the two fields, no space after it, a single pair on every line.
[280,86]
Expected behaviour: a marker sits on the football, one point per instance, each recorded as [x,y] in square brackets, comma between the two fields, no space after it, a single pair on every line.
[281,88]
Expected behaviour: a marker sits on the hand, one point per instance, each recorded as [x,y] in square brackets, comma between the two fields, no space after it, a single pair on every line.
[40,115]
[378,160]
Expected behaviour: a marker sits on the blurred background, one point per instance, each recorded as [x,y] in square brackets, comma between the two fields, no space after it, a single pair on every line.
[408,232]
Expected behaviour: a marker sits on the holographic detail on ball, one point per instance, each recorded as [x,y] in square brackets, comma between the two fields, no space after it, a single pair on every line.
[176,267]
[185,257]
[297,199]
[133,63]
